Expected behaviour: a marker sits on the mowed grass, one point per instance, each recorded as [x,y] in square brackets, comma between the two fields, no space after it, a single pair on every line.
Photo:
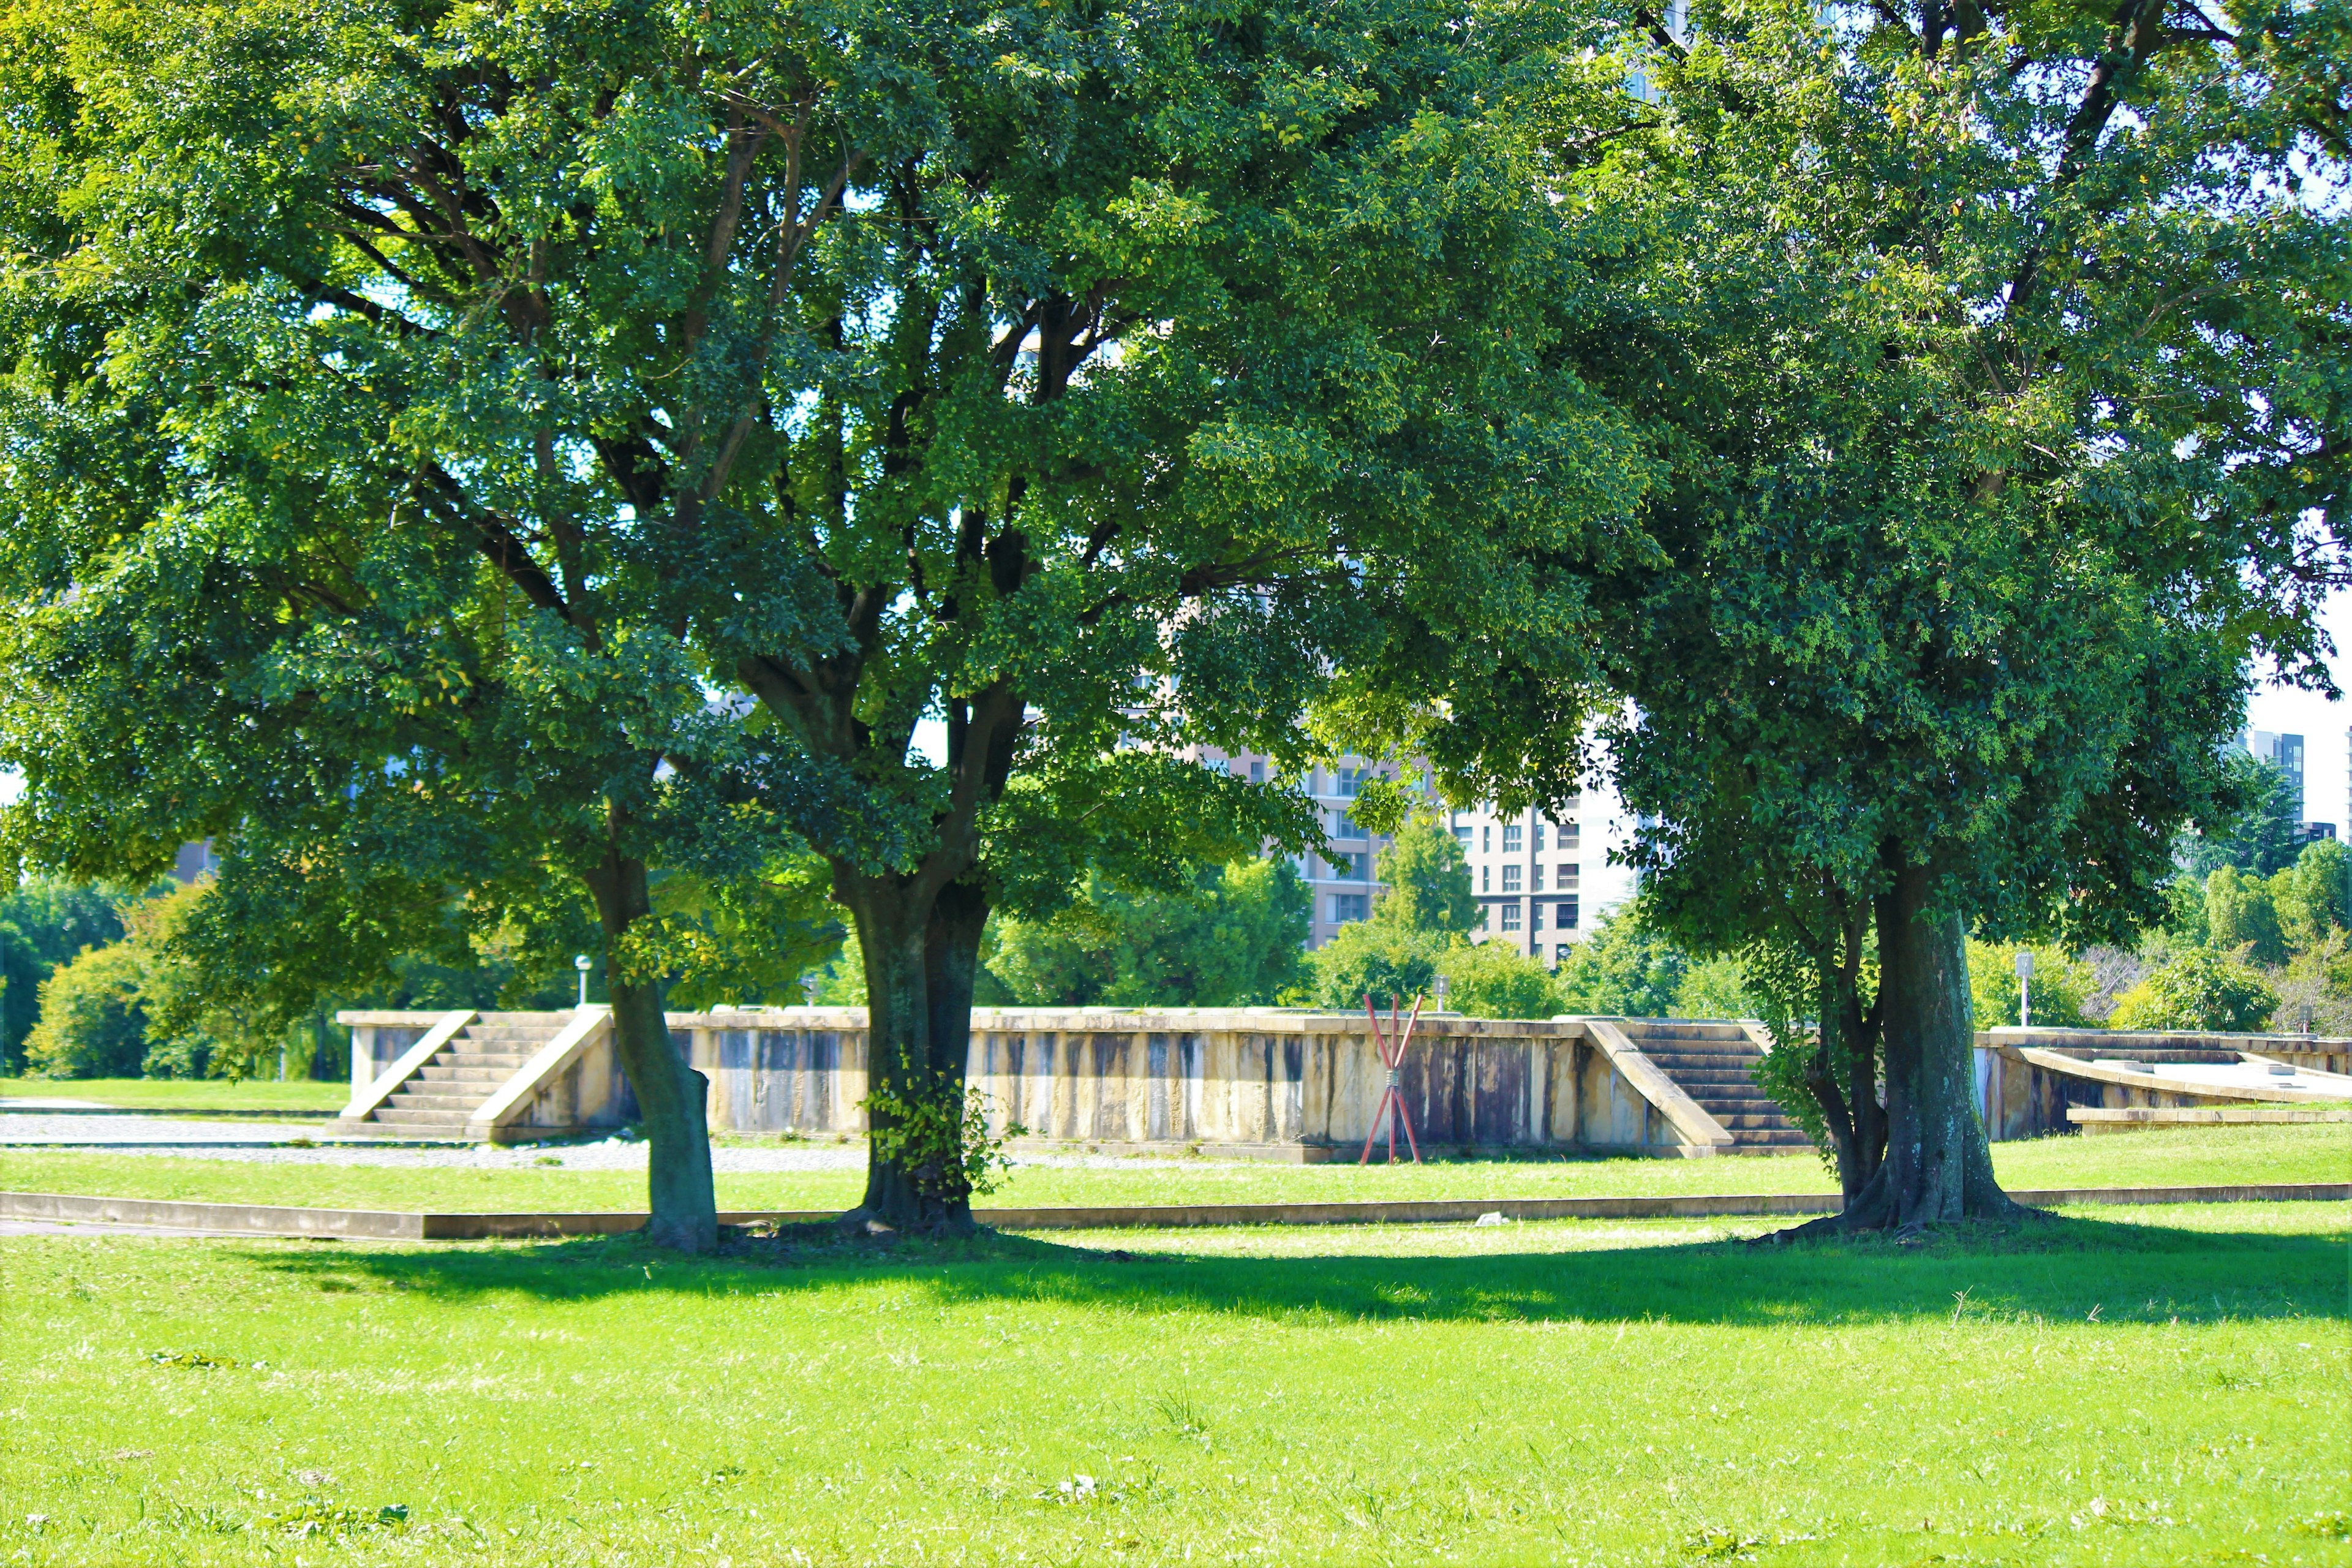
[2120,1386]
[2191,1156]
[184,1093]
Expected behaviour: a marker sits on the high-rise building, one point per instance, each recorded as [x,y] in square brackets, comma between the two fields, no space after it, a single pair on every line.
[1341,878]
[2283,753]
[1542,880]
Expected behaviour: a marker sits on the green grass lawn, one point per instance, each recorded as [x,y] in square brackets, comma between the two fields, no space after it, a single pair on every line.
[2170,1157]
[184,1093]
[2146,1387]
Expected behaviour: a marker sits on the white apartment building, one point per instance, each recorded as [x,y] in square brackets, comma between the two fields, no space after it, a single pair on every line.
[1541,880]
[1540,883]
[1341,880]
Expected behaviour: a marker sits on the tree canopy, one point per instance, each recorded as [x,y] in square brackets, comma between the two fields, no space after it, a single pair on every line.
[1999,440]
[558,456]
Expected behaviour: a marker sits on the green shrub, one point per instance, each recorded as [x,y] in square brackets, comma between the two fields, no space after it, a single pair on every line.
[1428,882]
[93,1023]
[1388,960]
[2061,985]
[1623,969]
[1714,988]
[2198,990]
[2314,896]
[2239,916]
[1495,980]
[1230,940]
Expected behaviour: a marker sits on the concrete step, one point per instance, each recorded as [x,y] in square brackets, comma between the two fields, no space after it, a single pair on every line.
[1713,1062]
[1752,1123]
[390,1117]
[1771,1138]
[1742,1111]
[437,1072]
[503,1061]
[426,1099]
[1735,1076]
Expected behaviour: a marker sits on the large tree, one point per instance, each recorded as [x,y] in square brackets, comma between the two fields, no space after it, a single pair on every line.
[2002,369]
[658,414]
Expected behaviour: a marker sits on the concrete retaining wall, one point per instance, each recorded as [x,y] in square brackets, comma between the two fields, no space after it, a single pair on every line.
[1241,1078]
[1267,1080]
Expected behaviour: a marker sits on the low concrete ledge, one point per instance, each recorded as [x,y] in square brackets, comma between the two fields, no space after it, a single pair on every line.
[254,1219]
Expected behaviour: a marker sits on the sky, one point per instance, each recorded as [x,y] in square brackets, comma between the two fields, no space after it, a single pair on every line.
[2326,765]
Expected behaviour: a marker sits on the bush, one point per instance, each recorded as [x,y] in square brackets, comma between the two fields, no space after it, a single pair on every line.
[2062,985]
[2314,896]
[2239,916]
[1494,980]
[2199,990]
[1623,969]
[1714,988]
[1387,961]
[1428,882]
[1232,940]
[93,1023]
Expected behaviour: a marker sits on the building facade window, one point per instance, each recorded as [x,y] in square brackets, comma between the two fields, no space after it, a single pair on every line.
[1351,782]
[1569,835]
[1462,837]
[1486,840]
[1537,886]
[1535,919]
[1510,879]
[1510,916]
[1486,878]
[1564,915]
[1346,908]
[1568,872]
[1257,773]
[1539,835]
[1511,839]
[1349,868]
[1482,918]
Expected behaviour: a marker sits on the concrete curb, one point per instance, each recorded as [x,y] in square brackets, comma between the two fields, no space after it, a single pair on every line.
[181,1112]
[253,1219]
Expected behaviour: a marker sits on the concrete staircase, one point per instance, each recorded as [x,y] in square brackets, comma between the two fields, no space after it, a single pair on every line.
[442,1096]
[1715,1064]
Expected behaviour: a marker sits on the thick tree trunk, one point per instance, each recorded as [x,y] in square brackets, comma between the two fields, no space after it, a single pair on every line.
[671,1095]
[1938,1166]
[921,958]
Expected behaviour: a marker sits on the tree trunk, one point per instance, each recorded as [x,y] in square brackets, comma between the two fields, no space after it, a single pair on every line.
[1938,1165]
[921,958]
[670,1094]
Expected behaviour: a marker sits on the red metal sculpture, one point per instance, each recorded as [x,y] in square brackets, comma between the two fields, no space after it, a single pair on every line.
[1391,1047]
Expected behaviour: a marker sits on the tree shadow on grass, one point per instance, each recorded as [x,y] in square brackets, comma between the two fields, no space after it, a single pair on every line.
[2054,1270]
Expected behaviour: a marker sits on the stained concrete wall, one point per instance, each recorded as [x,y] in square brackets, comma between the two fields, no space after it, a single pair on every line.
[1268,1079]
[1236,1078]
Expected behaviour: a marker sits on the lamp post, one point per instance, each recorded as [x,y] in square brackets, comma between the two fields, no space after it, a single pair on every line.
[583,966]
[2025,988]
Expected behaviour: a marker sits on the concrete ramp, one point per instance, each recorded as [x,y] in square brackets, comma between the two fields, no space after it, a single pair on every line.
[2032,1081]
